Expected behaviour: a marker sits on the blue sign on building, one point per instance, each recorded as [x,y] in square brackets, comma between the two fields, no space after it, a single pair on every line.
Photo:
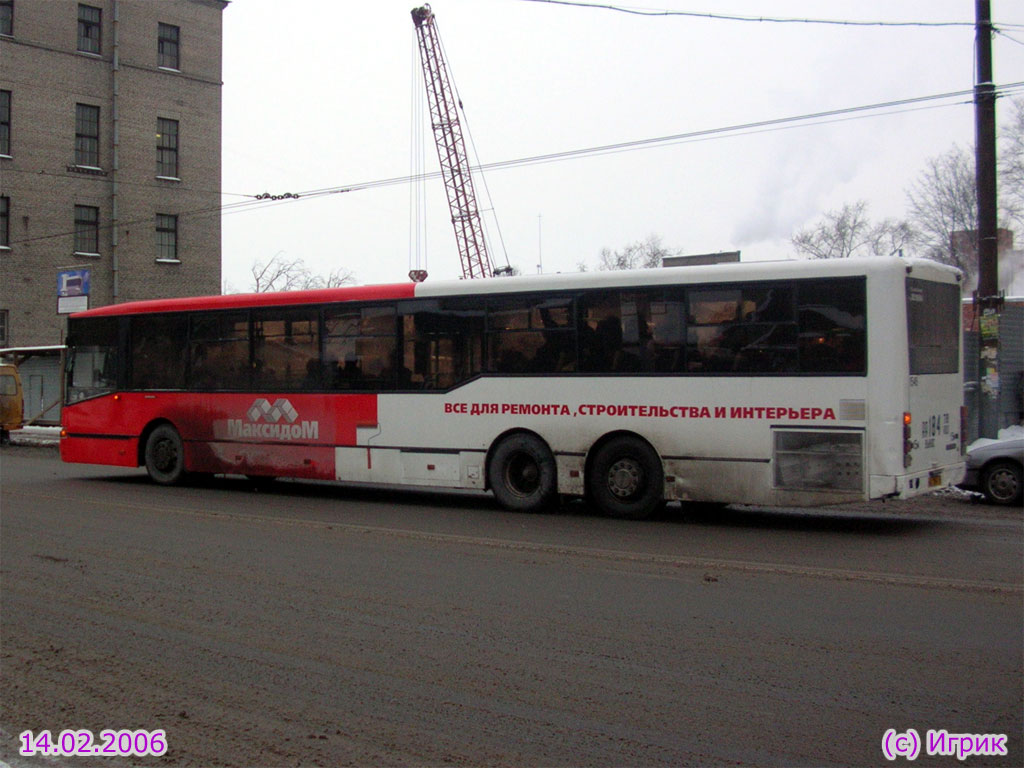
[72,291]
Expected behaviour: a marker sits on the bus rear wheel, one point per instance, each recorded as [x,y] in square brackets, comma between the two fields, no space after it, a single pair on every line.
[626,478]
[522,473]
[165,455]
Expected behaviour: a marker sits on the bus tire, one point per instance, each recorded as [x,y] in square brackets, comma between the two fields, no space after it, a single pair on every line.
[1001,483]
[522,473]
[165,455]
[626,478]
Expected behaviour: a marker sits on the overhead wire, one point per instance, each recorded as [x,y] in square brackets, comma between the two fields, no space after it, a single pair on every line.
[720,132]
[760,19]
[1011,38]
[731,131]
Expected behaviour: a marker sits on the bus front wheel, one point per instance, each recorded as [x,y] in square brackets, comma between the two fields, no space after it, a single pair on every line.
[165,455]
[626,478]
[522,473]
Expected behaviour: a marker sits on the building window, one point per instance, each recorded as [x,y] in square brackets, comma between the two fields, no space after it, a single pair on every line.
[5,123]
[167,148]
[87,230]
[5,222]
[89,29]
[6,17]
[166,237]
[168,36]
[3,328]
[87,135]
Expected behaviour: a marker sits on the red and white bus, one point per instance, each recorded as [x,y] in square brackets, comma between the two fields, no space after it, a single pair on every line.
[783,383]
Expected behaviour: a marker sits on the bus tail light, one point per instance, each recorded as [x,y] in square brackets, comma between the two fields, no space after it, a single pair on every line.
[907,444]
[963,430]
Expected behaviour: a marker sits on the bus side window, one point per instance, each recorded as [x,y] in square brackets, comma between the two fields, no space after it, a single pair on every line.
[615,332]
[741,329]
[219,351]
[286,349]
[158,351]
[667,346]
[442,343]
[531,334]
[360,346]
[831,317]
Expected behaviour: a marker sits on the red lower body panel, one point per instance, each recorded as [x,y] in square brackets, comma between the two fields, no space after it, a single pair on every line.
[274,460]
[115,451]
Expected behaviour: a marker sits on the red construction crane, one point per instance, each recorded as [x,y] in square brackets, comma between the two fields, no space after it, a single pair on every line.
[451,149]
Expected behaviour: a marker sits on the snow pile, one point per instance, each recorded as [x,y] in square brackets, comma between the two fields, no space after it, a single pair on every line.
[36,436]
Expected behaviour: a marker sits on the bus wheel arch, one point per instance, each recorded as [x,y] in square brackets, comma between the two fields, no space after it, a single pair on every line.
[521,471]
[162,452]
[624,476]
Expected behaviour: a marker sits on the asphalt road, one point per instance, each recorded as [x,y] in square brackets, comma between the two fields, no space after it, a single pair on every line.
[323,625]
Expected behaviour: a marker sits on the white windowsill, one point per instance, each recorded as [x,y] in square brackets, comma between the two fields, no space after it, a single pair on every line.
[169,69]
[87,254]
[168,261]
[168,178]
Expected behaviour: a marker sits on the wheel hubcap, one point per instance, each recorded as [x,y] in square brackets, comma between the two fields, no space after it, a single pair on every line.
[1003,485]
[522,474]
[625,478]
[164,455]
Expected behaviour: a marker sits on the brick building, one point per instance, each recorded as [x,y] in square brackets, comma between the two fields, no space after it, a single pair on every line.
[110,155]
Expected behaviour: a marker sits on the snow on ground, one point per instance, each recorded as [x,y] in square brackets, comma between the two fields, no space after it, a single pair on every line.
[36,436]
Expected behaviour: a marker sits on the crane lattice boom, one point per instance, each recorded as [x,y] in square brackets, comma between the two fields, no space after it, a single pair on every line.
[451,150]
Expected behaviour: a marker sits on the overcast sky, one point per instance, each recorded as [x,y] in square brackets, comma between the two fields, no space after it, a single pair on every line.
[318,94]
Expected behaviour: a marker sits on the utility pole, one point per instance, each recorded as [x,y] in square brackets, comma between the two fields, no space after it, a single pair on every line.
[985,138]
[987,301]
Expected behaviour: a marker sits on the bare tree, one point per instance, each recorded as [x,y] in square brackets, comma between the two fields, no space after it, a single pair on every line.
[282,273]
[943,200]
[944,197]
[850,232]
[1011,166]
[643,254]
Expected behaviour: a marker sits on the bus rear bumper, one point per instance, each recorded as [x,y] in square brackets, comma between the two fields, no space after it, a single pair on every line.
[916,483]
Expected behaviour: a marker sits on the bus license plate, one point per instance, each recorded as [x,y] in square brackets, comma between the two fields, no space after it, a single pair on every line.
[934,481]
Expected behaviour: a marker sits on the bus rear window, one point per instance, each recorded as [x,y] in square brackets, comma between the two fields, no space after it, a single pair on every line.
[933,325]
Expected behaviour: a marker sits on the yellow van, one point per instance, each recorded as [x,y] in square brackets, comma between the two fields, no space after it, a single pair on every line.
[12,403]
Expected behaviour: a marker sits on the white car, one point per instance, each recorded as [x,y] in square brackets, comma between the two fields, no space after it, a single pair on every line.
[994,467]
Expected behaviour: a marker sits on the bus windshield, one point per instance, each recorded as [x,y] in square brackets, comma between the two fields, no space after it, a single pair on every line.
[92,360]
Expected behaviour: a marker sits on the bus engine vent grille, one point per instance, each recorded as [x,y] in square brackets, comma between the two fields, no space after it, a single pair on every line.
[809,460]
